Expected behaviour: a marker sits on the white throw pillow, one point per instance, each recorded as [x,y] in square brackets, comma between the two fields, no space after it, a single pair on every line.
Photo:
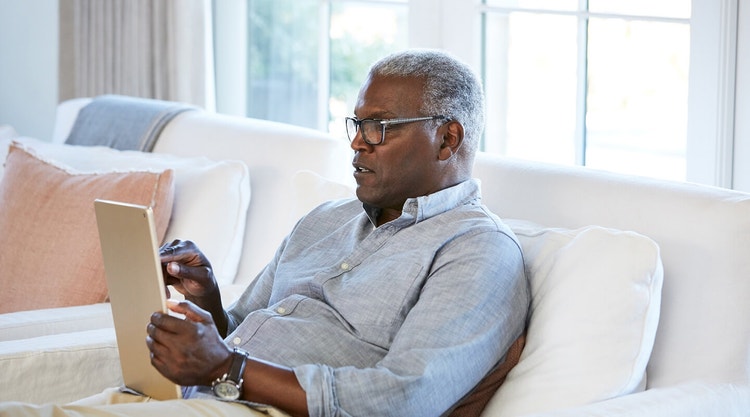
[312,190]
[210,201]
[596,295]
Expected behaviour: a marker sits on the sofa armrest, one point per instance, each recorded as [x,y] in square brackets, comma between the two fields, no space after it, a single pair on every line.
[67,112]
[694,399]
[59,368]
[35,323]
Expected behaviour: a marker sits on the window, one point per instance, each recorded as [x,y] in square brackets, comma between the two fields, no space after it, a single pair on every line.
[600,83]
[360,33]
[633,86]
[307,58]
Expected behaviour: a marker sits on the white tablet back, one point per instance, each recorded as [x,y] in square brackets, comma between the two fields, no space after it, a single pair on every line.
[136,290]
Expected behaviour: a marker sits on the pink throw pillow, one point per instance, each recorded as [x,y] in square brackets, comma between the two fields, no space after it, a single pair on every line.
[49,243]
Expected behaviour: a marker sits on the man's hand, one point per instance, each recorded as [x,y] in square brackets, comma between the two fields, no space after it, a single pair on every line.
[189,351]
[188,271]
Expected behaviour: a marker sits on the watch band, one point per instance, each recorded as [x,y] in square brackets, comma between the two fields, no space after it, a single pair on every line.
[238,366]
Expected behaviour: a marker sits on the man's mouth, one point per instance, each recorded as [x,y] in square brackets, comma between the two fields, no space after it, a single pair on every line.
[361,169]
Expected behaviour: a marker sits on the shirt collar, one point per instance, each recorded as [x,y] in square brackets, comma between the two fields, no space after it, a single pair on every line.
[418,209]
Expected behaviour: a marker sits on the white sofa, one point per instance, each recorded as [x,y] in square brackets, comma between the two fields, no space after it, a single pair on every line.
[660,326]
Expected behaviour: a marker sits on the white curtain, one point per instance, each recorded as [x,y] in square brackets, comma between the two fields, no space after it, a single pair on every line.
[144,48]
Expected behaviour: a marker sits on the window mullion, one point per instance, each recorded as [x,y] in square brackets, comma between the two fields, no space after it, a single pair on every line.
[727,79]
[582,86]
[423,31]
[324,63]
[230,28]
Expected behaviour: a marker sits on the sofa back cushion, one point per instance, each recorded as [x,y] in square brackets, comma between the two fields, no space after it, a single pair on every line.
[702,233]
[50,253]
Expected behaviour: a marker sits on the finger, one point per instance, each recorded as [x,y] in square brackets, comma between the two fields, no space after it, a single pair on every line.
[169,278]
[166,256]
[175,273]
[158,353]
[194,280]
[191,311]
[169,249]
[184,271]
[180,250]
[165,325]
[155,347]
[173,269]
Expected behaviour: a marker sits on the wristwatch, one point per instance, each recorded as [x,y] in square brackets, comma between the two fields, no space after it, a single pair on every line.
[229,386]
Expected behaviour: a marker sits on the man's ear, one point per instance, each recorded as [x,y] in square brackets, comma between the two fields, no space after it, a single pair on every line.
[453,137]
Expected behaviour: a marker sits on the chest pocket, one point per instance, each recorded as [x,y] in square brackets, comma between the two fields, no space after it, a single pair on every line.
[375,302]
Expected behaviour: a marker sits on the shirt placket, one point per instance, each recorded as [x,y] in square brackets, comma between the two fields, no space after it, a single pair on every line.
[369,245]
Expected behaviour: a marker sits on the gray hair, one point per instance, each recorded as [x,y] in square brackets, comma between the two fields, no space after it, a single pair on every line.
[451,89]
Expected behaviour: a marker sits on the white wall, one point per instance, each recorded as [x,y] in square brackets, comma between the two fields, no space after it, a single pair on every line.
[28,65]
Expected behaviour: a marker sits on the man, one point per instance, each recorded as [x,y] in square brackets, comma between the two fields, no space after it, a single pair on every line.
[397,303]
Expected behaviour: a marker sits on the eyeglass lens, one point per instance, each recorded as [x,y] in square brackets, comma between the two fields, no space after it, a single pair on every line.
[372,130]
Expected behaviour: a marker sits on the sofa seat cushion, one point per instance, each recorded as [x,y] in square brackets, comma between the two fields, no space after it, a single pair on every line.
[50,253]
[595,304]
[48,321]
[59,368]
[211,198]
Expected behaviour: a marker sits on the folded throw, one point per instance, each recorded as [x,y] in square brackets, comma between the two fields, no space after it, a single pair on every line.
[123,122]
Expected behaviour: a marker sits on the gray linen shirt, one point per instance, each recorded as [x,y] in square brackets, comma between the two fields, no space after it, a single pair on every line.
[402,319]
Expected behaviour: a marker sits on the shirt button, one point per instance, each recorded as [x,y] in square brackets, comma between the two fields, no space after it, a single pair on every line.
[281,310]
[236,340]
[345,266]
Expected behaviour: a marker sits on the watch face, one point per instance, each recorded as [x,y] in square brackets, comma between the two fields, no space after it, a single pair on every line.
[227,390]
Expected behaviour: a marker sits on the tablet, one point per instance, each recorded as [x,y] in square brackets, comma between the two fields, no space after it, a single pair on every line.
[136,290]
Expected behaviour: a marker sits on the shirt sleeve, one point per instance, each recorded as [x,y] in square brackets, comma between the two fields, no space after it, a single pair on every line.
[471,308]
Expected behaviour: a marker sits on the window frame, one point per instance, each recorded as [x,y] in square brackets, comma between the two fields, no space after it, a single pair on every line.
[711,99]
[713,154]
[710,156]
[741,148]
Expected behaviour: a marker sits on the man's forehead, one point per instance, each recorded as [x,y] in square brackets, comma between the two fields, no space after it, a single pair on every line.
[388,96]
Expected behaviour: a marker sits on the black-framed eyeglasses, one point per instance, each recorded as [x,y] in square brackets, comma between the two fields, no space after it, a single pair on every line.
[373,130]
